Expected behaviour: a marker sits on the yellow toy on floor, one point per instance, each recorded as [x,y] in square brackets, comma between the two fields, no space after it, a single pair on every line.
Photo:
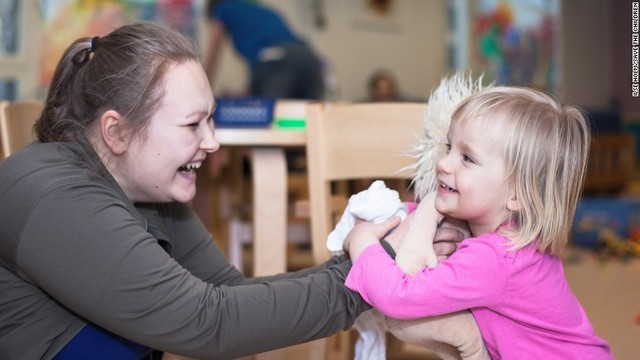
[617,246]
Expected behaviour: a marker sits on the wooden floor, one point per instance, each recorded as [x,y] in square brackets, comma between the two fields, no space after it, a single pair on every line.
[301,352]
[609,291]
[406,352]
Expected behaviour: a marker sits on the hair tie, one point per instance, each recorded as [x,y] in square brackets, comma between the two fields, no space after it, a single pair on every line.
[94,43]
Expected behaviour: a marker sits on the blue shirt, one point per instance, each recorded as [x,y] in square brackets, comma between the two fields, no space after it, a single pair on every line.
[252,28]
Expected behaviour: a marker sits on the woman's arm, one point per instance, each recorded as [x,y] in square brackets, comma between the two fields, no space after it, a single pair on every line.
[100,261]
[191,244]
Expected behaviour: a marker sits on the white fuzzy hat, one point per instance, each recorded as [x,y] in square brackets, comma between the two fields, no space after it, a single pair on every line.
[442,102]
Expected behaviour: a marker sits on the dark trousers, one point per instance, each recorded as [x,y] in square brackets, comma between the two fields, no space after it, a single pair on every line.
[296,75]
[93,342]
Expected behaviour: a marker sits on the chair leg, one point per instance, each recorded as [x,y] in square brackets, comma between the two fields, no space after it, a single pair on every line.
[318,349]
[239,234]
[336,347]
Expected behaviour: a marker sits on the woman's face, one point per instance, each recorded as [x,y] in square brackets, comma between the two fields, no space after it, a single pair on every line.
[159,164]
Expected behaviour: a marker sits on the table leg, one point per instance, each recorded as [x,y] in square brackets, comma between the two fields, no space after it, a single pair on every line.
[268,166]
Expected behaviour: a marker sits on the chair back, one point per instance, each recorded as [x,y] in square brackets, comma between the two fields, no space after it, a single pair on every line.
[16,124]
[611,163]
[356,141]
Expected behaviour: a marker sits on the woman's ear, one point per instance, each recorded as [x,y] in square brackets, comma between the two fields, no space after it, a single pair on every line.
[113,132]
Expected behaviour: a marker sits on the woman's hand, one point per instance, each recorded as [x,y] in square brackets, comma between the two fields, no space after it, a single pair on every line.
[365,234]
[448,234]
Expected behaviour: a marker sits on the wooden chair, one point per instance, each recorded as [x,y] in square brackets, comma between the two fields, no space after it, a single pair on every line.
[354,142]
[611,163]
[16,124]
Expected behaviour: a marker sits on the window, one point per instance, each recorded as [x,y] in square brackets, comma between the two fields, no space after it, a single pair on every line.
[18,60]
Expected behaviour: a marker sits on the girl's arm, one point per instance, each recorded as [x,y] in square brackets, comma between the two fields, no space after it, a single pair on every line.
[444,240]
[416,250]
[365,234]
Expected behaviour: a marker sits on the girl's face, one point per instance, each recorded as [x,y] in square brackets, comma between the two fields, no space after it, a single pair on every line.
[159,164]
[472,177]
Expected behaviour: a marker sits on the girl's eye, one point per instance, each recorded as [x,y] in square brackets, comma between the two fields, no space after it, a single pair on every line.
[448,147]
[466,158]
[194,125]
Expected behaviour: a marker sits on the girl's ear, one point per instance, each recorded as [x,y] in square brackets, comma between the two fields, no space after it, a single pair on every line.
[114,132]
[513,204]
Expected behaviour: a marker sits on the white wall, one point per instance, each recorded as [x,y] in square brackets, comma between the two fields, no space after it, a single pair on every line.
[587,59]
[414,49]
[416,52]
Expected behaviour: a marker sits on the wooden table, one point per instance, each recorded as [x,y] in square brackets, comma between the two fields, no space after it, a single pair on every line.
[269,181]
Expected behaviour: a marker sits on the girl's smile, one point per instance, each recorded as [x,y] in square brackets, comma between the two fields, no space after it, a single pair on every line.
[472,177]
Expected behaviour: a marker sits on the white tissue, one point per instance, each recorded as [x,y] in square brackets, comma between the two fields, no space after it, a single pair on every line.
[372,343]
[376,204]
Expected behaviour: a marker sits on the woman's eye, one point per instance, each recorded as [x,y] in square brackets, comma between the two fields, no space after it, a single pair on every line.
[194,125]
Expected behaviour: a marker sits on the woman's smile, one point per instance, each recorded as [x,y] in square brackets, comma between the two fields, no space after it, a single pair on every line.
[191,167]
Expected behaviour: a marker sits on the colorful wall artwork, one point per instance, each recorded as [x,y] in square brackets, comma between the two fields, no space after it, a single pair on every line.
[68,20]
[516,42]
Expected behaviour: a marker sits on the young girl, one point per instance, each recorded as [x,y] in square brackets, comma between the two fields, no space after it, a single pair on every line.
[514,171]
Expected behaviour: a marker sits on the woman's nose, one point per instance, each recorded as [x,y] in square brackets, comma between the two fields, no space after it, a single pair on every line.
[209,142]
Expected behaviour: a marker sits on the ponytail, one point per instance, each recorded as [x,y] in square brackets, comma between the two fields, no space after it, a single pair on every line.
[55,122]
[122,71]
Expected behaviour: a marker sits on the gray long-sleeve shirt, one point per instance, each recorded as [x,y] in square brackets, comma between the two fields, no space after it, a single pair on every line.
[74,249]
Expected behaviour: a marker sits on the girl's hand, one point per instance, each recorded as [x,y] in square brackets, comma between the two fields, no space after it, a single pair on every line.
[365,234]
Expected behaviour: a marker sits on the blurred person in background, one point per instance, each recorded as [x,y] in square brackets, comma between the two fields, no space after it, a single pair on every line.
[383,87]
[282,64]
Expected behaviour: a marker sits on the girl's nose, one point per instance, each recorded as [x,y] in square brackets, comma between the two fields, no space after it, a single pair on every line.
[443,164]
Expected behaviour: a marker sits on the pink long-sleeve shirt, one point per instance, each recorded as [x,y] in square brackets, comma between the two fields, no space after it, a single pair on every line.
[520,299]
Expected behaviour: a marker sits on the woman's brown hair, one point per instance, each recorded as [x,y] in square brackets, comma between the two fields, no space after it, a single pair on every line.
[123,71]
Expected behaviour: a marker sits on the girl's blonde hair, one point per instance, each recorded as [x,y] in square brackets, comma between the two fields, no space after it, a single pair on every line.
[545,147]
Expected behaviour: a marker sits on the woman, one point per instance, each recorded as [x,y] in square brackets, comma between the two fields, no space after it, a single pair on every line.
[101,255]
